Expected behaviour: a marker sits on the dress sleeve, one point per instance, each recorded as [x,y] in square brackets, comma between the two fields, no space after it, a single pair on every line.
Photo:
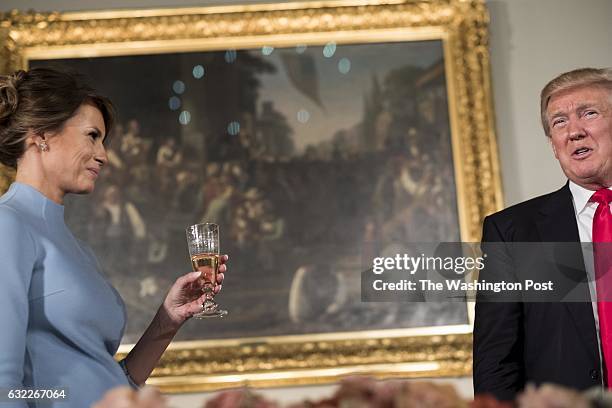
[131,381]
[17,259]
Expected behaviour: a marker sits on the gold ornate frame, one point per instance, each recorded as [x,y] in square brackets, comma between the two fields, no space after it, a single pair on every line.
[305,359]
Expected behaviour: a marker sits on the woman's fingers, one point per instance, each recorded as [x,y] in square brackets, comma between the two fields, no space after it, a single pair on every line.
[150,397]
[195,306]
[222,270]
[188,278]
[190,281]
[118,397]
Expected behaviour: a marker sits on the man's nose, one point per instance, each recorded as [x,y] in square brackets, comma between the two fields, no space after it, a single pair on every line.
[575,130]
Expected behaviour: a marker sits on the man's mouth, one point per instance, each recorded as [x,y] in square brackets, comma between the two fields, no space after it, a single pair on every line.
[582,152]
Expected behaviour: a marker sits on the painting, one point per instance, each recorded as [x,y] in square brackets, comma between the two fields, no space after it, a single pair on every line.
[314,146]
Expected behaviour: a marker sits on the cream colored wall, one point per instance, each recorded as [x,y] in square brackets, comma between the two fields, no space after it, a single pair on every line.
[531,41]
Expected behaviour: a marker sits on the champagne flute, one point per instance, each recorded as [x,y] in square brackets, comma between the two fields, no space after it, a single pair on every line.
[203,243]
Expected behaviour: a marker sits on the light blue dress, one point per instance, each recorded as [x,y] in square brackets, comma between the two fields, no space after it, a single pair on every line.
[61,322]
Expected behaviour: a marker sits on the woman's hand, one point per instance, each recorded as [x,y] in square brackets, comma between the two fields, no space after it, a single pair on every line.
[186,297]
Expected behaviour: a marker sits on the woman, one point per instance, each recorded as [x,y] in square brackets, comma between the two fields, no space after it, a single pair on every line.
[61,321]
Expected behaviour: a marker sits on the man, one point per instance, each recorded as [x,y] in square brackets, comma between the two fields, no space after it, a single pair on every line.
[516,343]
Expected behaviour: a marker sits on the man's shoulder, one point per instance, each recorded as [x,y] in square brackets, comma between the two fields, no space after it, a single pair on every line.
[530,207]
[520,219]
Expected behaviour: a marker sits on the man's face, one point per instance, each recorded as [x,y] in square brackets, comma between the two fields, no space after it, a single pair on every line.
[580,123]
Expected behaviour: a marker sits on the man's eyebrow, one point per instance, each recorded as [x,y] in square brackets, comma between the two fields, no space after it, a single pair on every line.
[557,114]
[586,105]
[581,107]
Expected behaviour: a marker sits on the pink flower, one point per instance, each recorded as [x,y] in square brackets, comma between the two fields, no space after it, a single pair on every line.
[551,396]
[489,401]
[428,395]
[240,398]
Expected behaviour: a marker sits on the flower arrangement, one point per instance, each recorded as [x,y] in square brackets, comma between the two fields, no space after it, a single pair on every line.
[366,392]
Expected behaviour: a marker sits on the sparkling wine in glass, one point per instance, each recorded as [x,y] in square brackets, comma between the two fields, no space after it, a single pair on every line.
[203,243]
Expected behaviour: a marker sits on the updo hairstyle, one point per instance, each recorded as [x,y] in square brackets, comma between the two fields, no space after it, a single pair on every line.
[42,100]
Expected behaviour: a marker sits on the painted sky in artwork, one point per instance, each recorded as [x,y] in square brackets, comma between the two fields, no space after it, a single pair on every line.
[342,94]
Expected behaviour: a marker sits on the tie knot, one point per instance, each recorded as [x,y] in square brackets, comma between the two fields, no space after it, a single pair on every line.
[602,196]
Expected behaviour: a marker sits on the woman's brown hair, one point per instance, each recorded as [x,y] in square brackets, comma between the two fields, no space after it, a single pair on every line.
[42,100]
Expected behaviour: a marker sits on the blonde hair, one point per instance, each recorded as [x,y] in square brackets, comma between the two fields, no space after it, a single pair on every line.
[591,77]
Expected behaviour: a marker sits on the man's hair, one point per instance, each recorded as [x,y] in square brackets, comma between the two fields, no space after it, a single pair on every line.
[591,77]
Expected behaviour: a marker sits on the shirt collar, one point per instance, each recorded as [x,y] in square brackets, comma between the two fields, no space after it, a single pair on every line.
[581,196]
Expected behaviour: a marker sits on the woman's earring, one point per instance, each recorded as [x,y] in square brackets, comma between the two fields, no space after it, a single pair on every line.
[44,147]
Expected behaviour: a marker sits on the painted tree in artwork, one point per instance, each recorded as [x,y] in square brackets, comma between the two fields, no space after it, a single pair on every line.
[229,99]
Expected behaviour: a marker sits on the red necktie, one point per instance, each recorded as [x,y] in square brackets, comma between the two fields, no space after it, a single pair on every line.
[602,250]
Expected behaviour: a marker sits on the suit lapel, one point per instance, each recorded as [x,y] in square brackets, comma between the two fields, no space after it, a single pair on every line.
[557,223]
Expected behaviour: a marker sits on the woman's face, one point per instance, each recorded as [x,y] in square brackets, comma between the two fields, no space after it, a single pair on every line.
[76,153]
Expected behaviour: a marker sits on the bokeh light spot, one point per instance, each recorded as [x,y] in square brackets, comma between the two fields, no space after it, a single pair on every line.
[230,56]
[174,103]
[344,65]
[178,87]
[198,71]
[233,128]
[303,116]
[185,118]
[329,50]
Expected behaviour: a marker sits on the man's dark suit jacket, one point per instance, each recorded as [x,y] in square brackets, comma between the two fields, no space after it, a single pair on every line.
[516,343]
